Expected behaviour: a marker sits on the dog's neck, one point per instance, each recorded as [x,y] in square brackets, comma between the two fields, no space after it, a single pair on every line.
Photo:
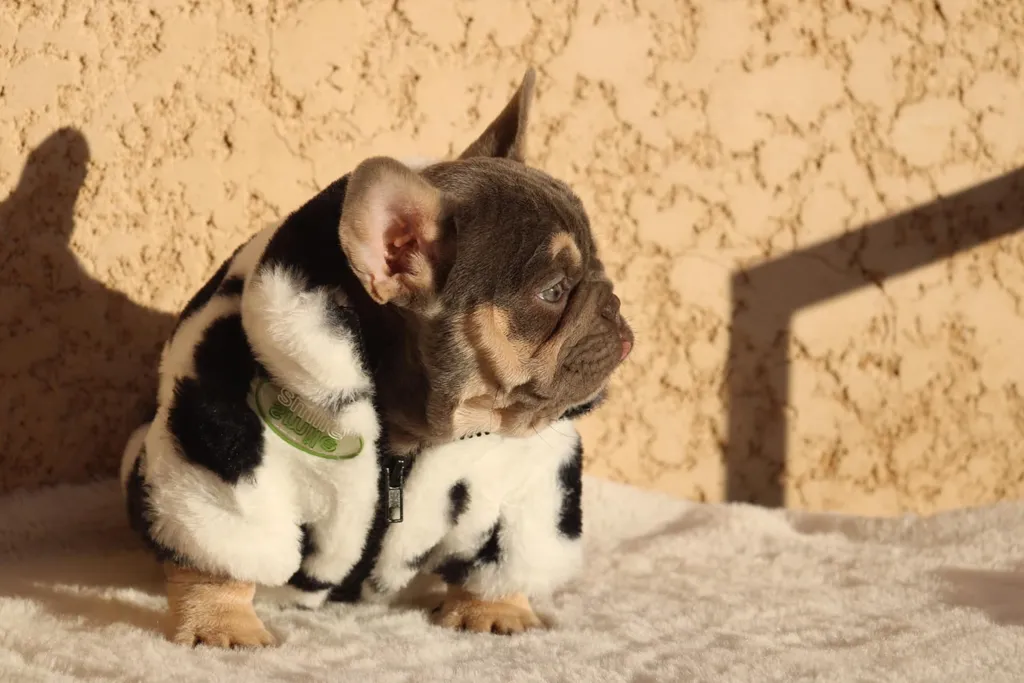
[399,375]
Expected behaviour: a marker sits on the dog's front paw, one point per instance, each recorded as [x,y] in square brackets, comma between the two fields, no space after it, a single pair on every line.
[213,610]
[462,611]
[224,626]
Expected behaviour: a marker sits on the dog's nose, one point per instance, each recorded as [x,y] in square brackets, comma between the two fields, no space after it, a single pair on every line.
[611,308]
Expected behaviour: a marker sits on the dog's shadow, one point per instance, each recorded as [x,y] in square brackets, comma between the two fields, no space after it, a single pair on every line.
[78,371]
[68,553]
[997,593]
[105,580]
[77,359]
[121,588]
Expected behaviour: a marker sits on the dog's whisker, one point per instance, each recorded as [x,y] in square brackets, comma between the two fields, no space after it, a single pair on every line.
[555,430]
[541,436]
[494,407]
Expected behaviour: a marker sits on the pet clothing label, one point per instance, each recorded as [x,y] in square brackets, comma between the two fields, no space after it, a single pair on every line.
[300,424]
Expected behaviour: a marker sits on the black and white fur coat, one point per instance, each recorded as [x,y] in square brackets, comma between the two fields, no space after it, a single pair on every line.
[209,484]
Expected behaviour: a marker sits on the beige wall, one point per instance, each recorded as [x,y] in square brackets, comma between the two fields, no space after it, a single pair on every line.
[708,138]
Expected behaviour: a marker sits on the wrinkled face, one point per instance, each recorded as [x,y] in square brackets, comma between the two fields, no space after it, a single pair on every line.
[530,325]
[495,261]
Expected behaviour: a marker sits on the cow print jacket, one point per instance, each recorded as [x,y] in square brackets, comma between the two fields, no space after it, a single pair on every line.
[265,459]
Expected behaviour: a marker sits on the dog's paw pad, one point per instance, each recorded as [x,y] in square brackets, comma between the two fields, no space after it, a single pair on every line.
[483,616]
[241,629]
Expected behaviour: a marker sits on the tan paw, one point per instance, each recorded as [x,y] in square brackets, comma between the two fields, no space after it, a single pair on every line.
[505,616]
[224,626]
[213,610]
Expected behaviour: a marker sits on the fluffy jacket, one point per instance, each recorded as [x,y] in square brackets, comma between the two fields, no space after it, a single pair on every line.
[265,459]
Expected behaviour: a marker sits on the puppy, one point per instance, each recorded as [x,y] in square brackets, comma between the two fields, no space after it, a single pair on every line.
[383,386]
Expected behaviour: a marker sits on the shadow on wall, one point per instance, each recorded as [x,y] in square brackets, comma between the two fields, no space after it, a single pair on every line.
[766,297]
[77,359]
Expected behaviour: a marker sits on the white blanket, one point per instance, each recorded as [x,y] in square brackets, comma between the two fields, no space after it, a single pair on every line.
[674,591]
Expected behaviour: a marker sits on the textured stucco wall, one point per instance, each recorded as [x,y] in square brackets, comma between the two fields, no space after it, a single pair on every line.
[708,138]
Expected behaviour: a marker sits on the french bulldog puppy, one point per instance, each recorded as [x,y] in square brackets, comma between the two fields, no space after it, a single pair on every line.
[384,386]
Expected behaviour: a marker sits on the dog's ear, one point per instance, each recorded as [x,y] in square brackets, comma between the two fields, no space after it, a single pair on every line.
[390,230]
[506,136]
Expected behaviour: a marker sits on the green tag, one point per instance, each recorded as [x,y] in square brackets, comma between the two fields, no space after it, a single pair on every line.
[300,424]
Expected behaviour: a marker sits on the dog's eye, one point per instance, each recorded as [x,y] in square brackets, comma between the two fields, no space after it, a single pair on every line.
[555,293]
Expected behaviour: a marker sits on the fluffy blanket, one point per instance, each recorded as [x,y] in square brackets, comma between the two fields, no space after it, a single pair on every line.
[674,591]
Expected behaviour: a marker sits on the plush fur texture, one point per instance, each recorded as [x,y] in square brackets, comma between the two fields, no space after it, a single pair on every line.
[220,490]
[485,515]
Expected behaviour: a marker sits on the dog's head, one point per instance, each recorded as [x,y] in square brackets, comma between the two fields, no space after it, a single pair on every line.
[494,269]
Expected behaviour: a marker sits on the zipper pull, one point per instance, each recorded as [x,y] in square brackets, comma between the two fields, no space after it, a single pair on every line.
[396,482]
